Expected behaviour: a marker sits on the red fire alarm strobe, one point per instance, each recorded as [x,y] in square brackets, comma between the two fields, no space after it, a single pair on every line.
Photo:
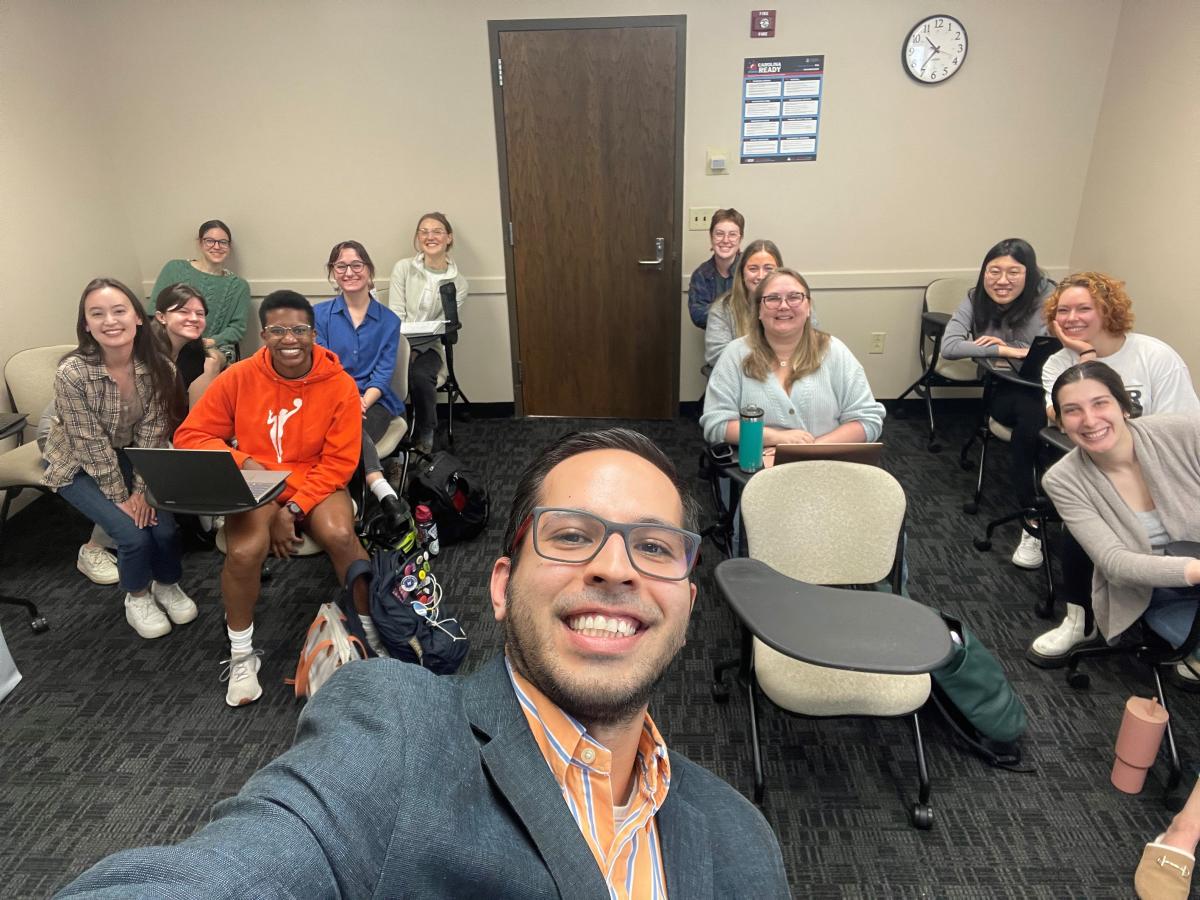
[762,23]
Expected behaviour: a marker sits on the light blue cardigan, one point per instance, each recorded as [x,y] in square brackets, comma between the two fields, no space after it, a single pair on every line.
[833,395]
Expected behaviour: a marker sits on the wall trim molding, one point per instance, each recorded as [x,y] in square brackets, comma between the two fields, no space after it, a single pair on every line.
[494,285]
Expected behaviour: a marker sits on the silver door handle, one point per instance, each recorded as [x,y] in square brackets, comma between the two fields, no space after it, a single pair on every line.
[660,249]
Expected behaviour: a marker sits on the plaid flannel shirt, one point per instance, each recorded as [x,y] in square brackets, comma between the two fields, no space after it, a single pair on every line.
[88,406]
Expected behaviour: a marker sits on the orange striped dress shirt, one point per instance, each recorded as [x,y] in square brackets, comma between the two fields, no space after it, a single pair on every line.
[626,850]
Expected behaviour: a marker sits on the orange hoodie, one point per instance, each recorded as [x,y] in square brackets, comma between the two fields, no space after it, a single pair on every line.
[311,425]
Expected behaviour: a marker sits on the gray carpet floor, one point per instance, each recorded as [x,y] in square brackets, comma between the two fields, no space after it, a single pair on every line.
[111,741]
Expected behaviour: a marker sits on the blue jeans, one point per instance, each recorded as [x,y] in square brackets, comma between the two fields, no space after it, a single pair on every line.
[1171,612]
[142,553]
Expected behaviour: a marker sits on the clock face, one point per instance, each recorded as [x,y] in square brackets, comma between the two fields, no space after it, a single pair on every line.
[935,49]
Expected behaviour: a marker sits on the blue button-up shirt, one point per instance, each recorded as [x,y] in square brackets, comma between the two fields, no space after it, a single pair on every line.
[367,352]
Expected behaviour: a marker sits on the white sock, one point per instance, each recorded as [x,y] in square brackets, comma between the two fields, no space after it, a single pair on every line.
[382,489]
[240,642]
[372,634]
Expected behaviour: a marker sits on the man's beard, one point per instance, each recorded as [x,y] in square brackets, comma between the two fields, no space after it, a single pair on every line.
[603,702]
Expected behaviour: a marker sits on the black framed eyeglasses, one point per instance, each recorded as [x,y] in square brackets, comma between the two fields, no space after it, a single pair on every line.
[356,266]
[210,243]
[575,536]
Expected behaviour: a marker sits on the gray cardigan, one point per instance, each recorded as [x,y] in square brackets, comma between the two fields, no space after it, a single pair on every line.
[1168,450]
[958,340]
[833,395]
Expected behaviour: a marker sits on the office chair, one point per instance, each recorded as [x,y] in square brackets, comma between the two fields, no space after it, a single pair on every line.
[29,377]
[942,298]
[828,522]
[449,383]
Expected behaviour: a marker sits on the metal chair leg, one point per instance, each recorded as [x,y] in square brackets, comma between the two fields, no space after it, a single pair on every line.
[760,787]
[1175,774]
[921,814]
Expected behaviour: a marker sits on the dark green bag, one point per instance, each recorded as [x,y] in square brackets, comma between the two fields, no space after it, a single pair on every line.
[974,695]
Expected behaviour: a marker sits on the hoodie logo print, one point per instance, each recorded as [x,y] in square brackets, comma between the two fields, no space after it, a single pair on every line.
[278,422]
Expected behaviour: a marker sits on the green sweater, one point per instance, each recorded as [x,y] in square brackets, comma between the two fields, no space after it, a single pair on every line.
[228,299]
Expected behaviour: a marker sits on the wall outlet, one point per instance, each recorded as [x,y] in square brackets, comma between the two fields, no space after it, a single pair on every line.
[877,341]
[699,217]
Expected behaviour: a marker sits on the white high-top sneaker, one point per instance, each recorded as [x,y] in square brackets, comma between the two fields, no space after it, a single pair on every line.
[1050,649]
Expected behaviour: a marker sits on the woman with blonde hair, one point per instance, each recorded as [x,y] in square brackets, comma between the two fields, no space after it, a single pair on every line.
[807,382]
[734,314]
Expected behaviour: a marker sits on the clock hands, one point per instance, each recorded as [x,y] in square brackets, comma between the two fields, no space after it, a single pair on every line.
[936,48]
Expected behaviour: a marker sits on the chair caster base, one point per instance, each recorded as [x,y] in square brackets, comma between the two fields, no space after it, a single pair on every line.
[965,465]
[39,625]
[1044,610]
[1081,681]
[720,692]
[921,816]
[981,544]
[934,447]
[970,508]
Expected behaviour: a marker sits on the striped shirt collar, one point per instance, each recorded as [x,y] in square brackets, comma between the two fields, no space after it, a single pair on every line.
[628,852]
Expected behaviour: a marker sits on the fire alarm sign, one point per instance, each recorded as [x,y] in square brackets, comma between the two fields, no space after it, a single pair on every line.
[762,23]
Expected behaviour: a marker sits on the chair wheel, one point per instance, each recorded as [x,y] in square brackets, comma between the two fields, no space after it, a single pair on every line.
[921,816]
[934,447]
[982,544]
[39,625]
[1044,610]
[720,693]
[1079,680]
[971,508]
[965,465]
[266,574]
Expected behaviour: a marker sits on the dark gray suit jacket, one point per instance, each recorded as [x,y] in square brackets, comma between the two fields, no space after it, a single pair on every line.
[404,784]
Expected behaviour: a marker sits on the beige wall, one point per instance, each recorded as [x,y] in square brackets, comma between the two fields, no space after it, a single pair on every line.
[303,122]
[62,220]
[1140,215]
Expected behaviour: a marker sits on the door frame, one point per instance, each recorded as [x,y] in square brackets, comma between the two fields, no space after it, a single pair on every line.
[675,259]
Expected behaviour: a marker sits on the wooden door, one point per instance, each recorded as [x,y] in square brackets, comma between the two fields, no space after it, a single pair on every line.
[589,127]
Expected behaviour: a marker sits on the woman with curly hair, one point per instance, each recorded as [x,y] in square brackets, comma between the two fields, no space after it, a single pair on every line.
[1092,315]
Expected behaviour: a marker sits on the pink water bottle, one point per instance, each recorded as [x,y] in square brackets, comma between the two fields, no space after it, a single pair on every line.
[1141,733]
[427,529]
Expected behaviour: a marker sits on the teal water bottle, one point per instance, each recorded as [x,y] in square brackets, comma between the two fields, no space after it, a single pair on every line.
[750,439]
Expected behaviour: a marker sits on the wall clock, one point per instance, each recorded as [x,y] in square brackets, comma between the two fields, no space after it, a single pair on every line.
[935,49]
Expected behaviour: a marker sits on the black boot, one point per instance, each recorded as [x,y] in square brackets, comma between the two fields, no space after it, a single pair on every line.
[396,511]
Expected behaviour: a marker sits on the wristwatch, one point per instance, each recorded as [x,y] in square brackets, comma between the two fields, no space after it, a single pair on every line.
[294,508]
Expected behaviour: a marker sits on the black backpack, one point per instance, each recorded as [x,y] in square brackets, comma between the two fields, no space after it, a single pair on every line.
[456,495]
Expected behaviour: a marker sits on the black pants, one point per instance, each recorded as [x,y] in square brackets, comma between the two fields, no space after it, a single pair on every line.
[1023,411]
[422,384]
[1075,585]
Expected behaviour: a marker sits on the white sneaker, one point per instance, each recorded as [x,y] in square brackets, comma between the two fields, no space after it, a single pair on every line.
[1028,554]
[97,564]
[145,616]
[179,606]
[1050,650]
[242,674]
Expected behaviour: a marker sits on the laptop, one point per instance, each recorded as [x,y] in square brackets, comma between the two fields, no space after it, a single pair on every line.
[1043,347]
[201,481]
[869,454]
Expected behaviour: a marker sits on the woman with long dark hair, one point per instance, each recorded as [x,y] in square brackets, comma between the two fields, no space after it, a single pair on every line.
[116,389]
[1001,316]
[180,314]
[1092,314]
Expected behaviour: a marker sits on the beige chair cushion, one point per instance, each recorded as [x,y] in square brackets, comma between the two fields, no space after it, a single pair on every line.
[22,466]
[824,521]
[945,294]
[391,438]
[818,691]
[1001,431]
[957,369]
